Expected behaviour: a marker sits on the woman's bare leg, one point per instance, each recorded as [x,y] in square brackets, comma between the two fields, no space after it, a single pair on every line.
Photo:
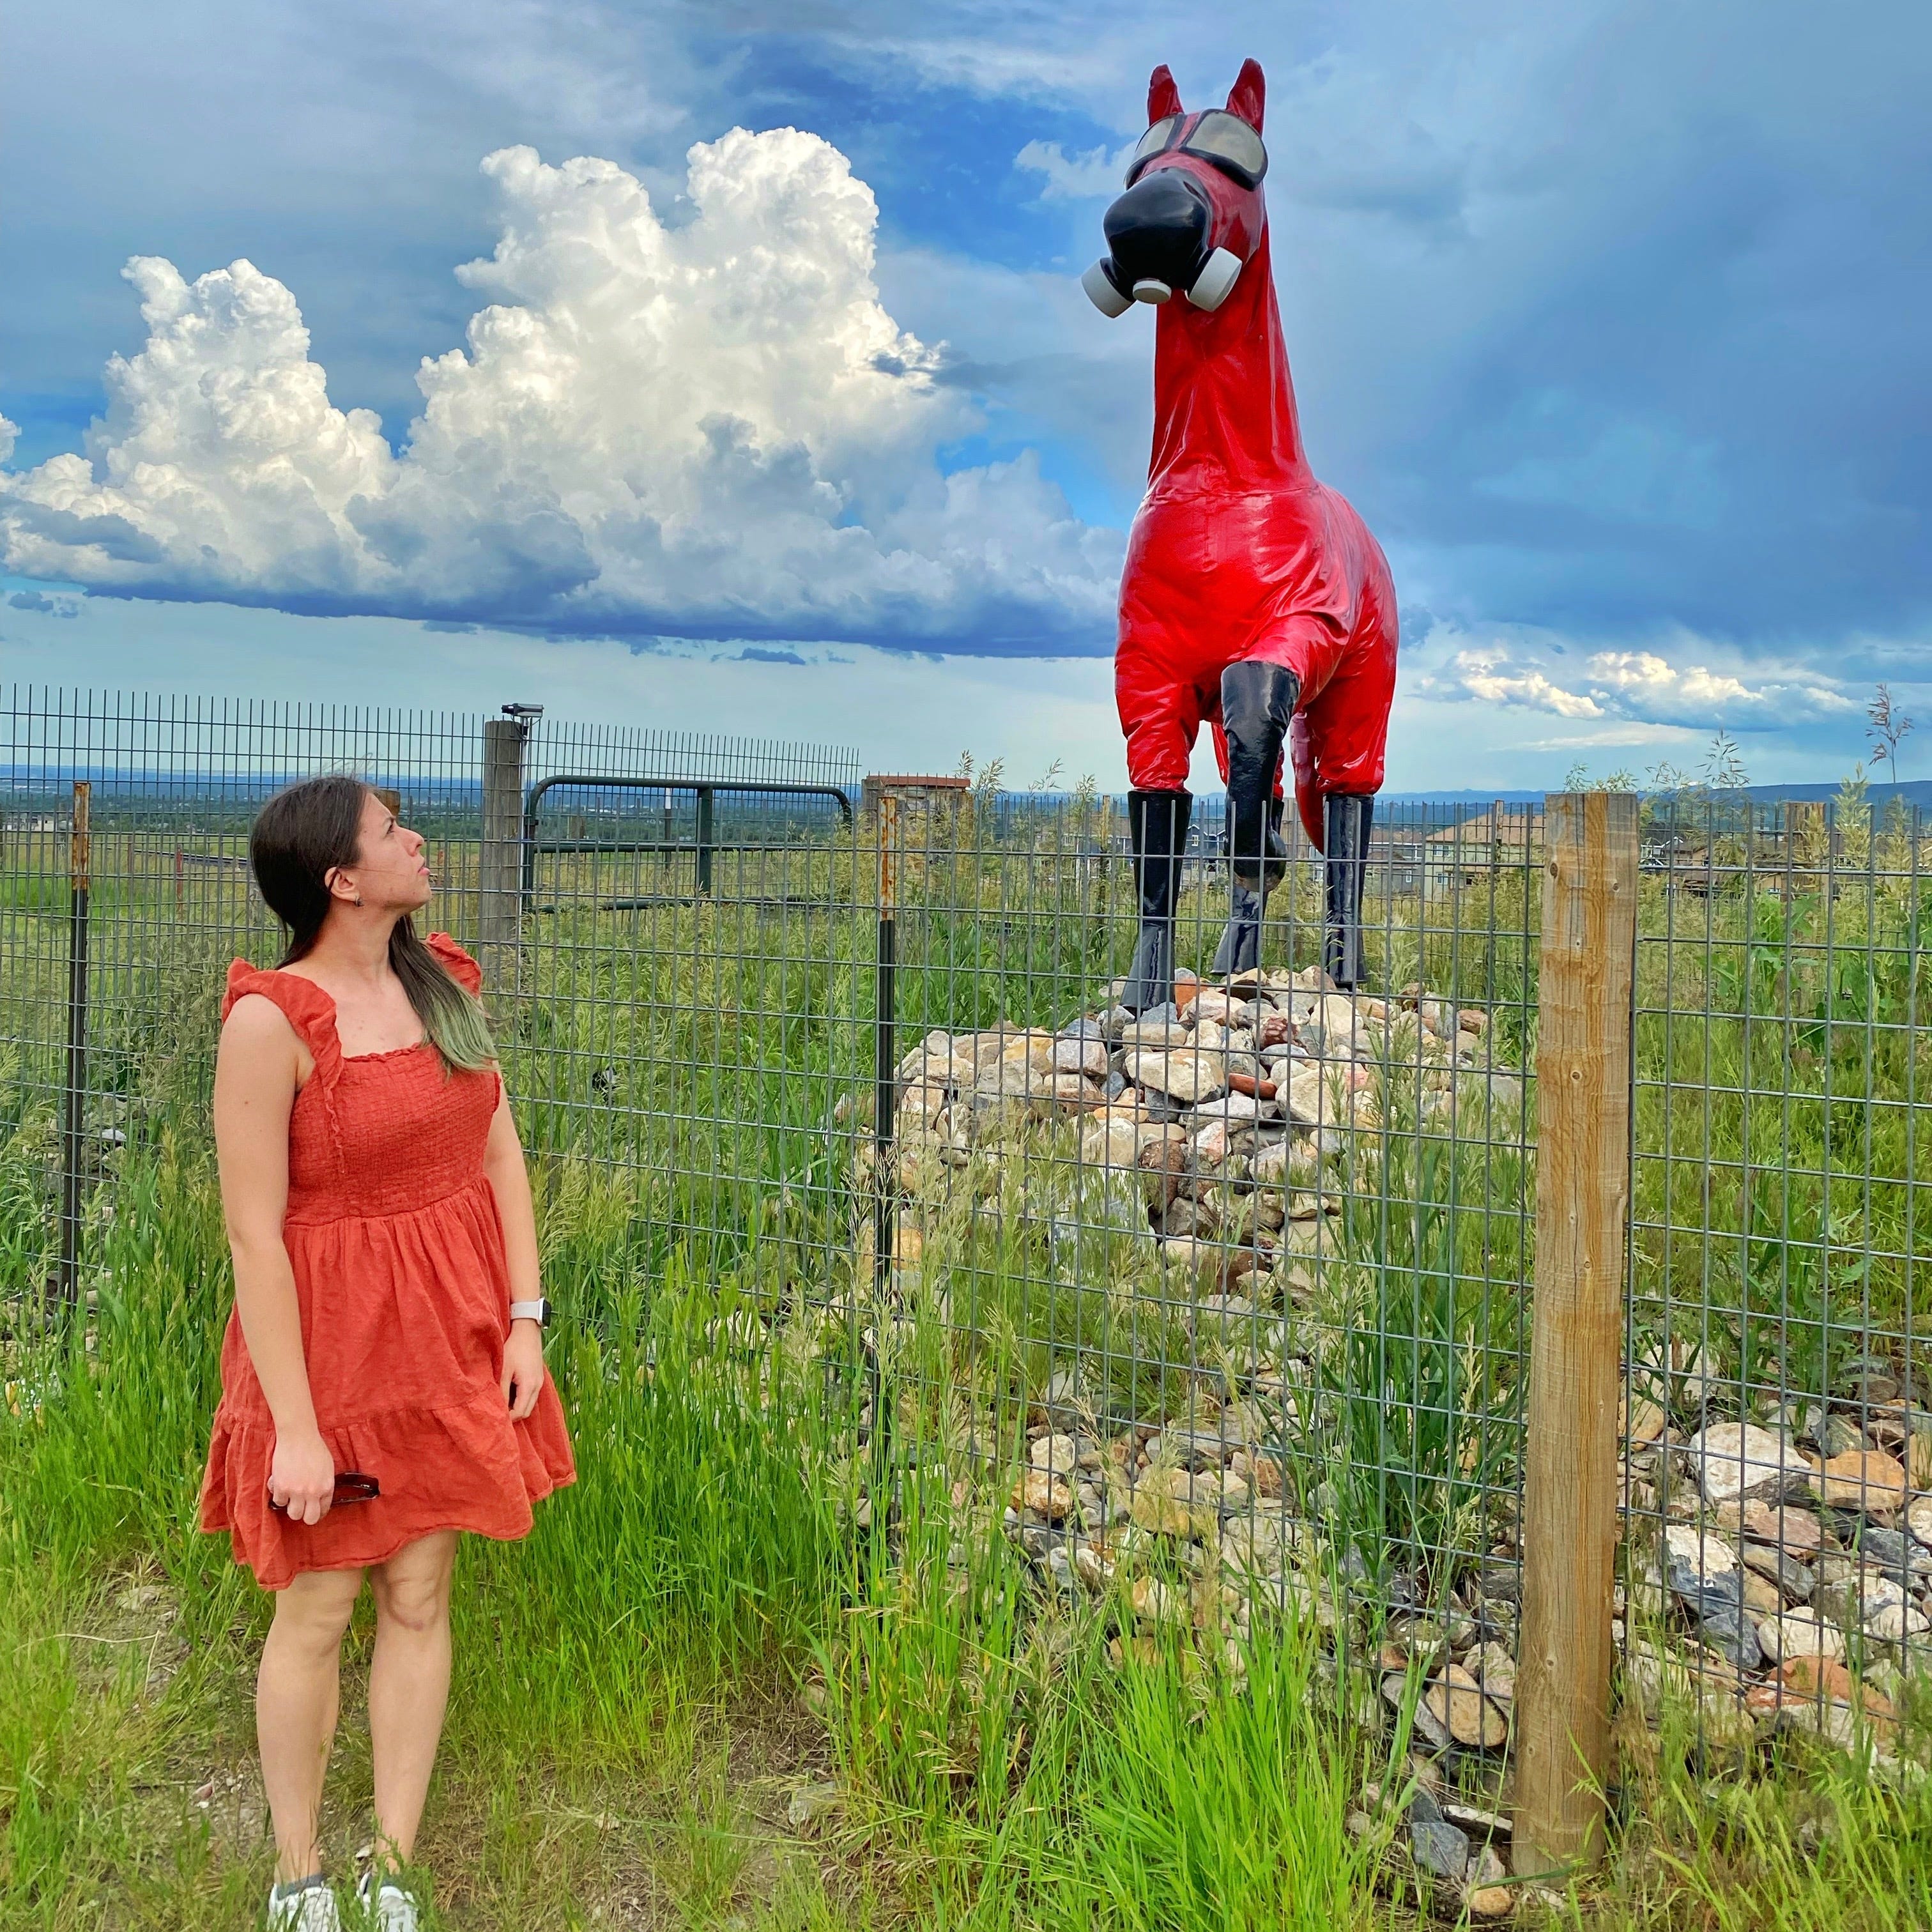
[409,1684]
[297,1692]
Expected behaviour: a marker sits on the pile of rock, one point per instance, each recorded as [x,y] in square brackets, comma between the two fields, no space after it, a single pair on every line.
[1792,1555]
[1226,1104]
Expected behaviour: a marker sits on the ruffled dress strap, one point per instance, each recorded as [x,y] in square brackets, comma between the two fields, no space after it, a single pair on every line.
[306,1007]
[456,963]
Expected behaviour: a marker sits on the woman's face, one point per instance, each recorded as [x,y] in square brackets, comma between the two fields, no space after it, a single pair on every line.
[389,873]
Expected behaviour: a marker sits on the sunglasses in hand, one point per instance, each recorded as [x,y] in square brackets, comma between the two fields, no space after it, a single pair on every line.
[351,1486]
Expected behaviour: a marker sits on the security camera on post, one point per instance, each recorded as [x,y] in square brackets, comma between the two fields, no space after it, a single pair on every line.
[1254,599]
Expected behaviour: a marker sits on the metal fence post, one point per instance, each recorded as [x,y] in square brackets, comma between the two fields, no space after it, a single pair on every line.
[499,880]
[1583,1072]
[74,1100]
[707,836]
[885,1179]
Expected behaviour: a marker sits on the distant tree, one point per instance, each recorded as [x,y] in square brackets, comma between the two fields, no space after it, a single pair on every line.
[1888,725]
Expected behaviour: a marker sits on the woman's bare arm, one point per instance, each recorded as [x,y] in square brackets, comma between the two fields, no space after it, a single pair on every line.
[510,1182]
[256,1075]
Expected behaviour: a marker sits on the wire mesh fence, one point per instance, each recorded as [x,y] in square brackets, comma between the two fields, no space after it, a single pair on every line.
[1779,1426]
[1218,1311]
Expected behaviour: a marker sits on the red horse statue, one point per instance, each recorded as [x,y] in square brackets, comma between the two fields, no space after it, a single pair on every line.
[1254,597]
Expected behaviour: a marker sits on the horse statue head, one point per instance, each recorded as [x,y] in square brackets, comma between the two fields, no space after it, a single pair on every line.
[1192,217]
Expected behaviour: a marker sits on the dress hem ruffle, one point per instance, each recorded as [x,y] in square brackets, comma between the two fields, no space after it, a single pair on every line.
[478,1472]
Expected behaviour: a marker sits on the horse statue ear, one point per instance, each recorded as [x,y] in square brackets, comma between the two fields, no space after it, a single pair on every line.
[1163,97]
[1245,97]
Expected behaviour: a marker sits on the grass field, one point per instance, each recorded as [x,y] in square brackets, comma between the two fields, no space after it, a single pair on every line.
[703,1693]
[694,1642]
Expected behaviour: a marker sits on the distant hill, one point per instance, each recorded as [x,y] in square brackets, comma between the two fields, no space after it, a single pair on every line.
[1912,791]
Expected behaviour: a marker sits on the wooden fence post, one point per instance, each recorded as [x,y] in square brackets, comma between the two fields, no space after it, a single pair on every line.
[1583,1065]
[499,879]
[1806,842]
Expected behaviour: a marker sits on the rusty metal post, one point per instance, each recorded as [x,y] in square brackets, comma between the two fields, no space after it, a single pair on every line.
[1583,1072]
[885,1179]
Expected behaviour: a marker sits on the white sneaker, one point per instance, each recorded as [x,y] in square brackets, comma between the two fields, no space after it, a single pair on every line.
[303,1905]
[391,1909]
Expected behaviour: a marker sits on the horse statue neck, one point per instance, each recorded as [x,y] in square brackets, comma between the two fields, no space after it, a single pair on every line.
[1224,414]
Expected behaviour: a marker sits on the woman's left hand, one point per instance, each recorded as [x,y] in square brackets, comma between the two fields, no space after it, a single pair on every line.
[523,1369]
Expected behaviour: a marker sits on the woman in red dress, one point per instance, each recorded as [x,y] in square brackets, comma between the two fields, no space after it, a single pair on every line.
[388,1329]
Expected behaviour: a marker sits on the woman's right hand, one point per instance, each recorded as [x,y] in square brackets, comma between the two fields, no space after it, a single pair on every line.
[302,1477]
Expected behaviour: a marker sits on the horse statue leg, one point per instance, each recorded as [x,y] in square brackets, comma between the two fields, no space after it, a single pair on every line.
[1157,821]
[1258,702]
[1347,818]
[1240,946]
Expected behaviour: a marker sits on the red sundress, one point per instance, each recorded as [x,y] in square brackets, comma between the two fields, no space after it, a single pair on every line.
[393,1234]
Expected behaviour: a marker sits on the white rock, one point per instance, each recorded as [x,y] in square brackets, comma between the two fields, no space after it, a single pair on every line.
[1732,1460]
[1893,1623]
[1304,1094]
[1080,1056]
[1059,1454]
[1111,1140]
[1706,1552]
[1157,1035]
[1183,1075]
[1212,1144]
[1799,1634]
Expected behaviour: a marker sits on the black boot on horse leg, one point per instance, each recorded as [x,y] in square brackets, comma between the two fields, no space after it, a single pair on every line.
[1240,948]
[1346,819]
[1158,822]
[1258,701]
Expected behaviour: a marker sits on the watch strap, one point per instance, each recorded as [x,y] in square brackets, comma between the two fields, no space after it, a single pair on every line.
[537,1311]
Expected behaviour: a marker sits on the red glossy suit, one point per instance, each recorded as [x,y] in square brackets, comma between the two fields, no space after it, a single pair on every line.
[1237,552]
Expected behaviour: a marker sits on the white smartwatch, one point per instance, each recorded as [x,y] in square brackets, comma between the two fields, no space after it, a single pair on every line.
[537,1311]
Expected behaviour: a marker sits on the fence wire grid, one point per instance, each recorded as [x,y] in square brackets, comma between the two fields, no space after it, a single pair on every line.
[1218,1311]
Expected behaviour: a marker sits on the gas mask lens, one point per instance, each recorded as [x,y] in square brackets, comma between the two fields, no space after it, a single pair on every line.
[1230,144]
[1217,136]
[1153,143]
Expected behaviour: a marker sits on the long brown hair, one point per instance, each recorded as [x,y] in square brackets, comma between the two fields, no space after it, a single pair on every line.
[299,837]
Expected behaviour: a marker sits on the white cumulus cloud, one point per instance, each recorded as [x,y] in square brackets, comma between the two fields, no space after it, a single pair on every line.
[707,428]
[1496,680]
[1664,685]
[1082,177]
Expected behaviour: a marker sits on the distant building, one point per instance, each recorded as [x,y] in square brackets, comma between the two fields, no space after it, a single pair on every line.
[1505,836]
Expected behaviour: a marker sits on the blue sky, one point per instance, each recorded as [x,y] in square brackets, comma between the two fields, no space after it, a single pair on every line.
[1610,319]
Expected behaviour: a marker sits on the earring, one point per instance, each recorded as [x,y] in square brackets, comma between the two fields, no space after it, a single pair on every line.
[358,899]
